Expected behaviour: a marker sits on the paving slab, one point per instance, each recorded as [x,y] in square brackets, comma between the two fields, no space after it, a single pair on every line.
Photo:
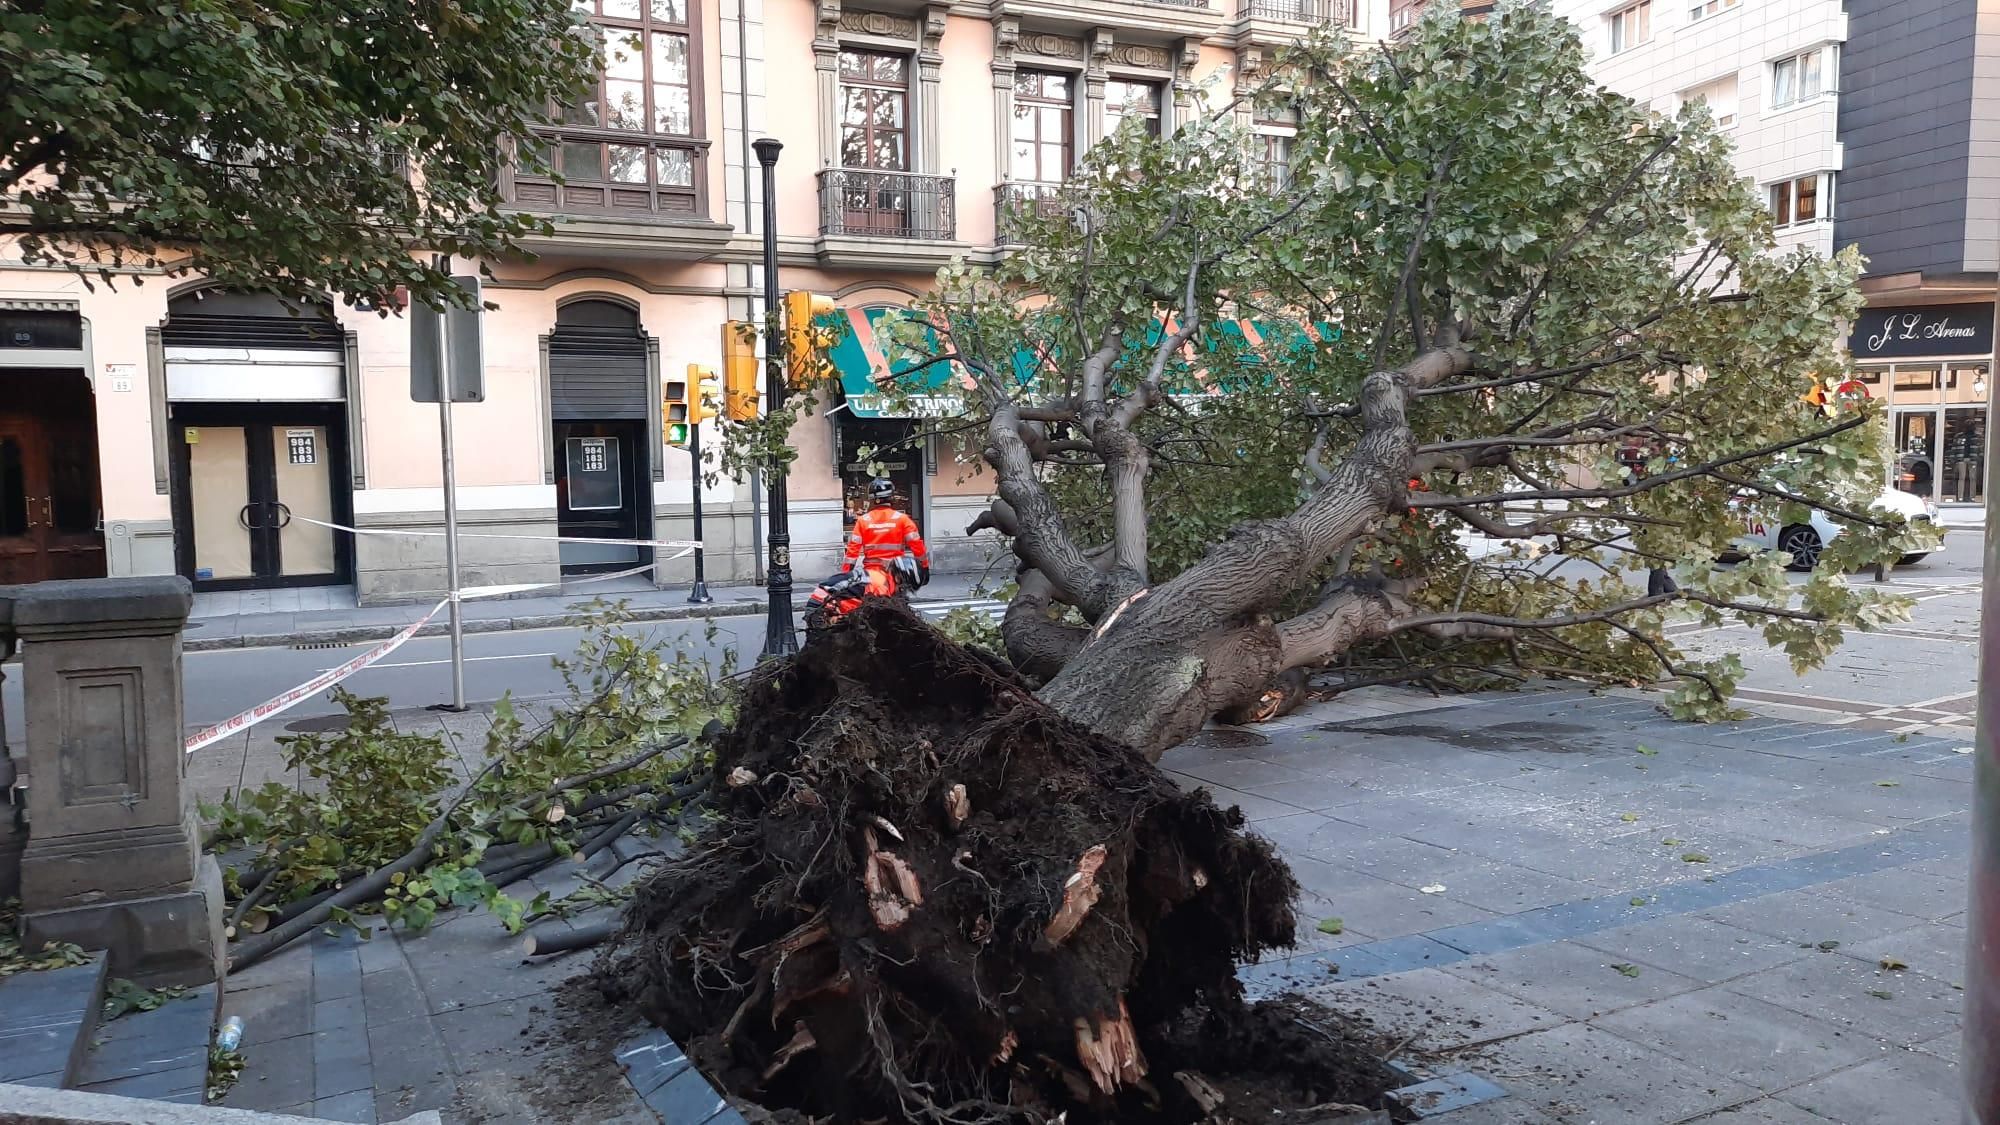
[1757,1043]
[1763,1111]
[1910,1087]
[1809,917]
[1579,1073]
[1436,1011]
[1694,947]
[1574,980]
[1902,1008]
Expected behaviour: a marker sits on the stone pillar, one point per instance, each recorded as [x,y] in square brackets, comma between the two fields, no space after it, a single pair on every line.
[113,859]
[1097,52]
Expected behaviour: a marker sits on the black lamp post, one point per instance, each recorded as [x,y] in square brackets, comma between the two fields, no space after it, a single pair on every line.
[779,639]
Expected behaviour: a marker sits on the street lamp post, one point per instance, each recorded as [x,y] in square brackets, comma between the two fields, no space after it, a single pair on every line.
[779,639]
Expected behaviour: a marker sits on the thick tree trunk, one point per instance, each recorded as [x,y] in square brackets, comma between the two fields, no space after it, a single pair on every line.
[1164,659]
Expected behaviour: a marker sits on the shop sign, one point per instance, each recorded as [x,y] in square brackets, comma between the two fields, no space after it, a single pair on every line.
[1922,330]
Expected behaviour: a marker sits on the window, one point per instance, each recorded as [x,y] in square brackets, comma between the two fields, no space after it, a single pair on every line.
[1123,99]
[1703,9]
[1804,76]
[1271,146]
[1720,97]
[1807,199]
[614,145]
[874,110]
[1043,126]
[1631,26]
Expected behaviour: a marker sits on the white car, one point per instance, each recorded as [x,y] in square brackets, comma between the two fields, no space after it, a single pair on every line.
[1804,541]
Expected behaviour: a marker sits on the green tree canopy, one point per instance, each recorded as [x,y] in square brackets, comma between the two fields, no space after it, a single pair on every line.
[1484,275]
[291,147]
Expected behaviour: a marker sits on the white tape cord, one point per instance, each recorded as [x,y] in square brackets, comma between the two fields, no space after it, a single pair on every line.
[292,697]
[687,543]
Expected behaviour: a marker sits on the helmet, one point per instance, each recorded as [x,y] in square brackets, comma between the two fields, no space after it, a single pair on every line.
[881,489]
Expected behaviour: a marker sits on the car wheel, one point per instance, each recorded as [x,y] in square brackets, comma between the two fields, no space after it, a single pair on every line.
[1916,558]
[1803,544]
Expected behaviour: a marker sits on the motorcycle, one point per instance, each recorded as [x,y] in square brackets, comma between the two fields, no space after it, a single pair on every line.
[844,591]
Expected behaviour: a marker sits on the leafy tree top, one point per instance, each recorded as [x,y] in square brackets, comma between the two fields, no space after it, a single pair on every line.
[290,147]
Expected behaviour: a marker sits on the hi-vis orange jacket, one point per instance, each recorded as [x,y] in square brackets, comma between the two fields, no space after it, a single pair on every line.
[882,534]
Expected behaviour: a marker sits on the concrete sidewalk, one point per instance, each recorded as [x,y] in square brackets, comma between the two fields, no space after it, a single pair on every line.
[1610,916]
[268,618]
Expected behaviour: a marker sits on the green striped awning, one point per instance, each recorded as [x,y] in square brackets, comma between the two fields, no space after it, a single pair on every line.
[876,387]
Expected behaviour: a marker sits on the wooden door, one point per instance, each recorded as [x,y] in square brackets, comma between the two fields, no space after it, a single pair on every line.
[49,519]
[21,488]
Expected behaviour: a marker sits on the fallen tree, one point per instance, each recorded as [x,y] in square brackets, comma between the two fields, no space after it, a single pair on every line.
[1234,426]
[1234,432]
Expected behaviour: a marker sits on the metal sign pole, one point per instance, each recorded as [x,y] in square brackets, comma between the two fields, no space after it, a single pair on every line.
[450,516]
[699,595]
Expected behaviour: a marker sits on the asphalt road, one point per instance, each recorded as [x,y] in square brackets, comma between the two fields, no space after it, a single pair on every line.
[221,683]
[1902,666]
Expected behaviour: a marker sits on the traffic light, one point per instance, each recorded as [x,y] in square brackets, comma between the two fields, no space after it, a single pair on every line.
[674,411]
[704,394]
[806,342]
[739,370]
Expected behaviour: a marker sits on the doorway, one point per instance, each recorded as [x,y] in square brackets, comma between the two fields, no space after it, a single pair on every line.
[600,494]
[896,451]
[254,489]
[51,516]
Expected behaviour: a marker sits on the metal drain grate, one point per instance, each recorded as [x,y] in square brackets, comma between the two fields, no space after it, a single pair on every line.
[318,644]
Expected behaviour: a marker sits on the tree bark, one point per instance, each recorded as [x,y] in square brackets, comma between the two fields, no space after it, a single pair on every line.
[1157,668]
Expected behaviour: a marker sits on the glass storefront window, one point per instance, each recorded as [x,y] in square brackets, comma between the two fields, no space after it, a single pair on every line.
[1937,422]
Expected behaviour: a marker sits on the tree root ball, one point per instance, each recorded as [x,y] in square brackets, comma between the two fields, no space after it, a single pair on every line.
[938,901]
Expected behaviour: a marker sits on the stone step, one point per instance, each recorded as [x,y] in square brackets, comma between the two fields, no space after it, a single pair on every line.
[46,1020]
[161,1054]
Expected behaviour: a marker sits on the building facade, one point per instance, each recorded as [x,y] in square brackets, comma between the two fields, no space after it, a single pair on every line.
[1867,123]
[169,427]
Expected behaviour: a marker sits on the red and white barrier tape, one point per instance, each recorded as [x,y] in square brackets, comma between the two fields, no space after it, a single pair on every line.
[292,697]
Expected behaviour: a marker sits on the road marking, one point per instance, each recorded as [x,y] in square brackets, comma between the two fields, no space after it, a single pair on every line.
[468,660]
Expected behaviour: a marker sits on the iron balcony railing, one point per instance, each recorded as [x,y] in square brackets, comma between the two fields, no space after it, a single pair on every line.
[1023,199]
[860,203]
[1339,13]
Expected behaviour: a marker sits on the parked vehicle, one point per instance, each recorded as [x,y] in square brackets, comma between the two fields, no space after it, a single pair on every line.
[1805,541]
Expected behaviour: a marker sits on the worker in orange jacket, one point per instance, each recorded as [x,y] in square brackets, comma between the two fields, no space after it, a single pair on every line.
[882,536]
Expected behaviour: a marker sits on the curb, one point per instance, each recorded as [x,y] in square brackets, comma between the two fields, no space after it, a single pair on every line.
[357,634]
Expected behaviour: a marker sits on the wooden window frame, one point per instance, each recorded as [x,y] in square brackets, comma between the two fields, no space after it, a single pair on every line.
[1044,101]
[1114,115]
[667,157]
[878,88]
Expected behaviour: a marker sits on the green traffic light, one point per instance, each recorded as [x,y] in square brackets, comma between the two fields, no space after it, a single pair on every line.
[677,433]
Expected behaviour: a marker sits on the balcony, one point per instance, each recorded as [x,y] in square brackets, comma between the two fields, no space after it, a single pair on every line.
[1016,201]
[887,219]
[621,193]
[1339,13]
[865,204]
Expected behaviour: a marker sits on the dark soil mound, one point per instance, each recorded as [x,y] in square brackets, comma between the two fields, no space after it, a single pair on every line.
[928,894]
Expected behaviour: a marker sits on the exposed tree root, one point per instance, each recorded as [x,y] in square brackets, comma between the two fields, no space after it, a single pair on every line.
[938,901]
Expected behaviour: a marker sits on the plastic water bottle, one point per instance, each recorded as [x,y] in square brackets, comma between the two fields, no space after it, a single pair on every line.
[230,1035]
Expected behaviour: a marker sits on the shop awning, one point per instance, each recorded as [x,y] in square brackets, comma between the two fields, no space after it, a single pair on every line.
[876,387]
